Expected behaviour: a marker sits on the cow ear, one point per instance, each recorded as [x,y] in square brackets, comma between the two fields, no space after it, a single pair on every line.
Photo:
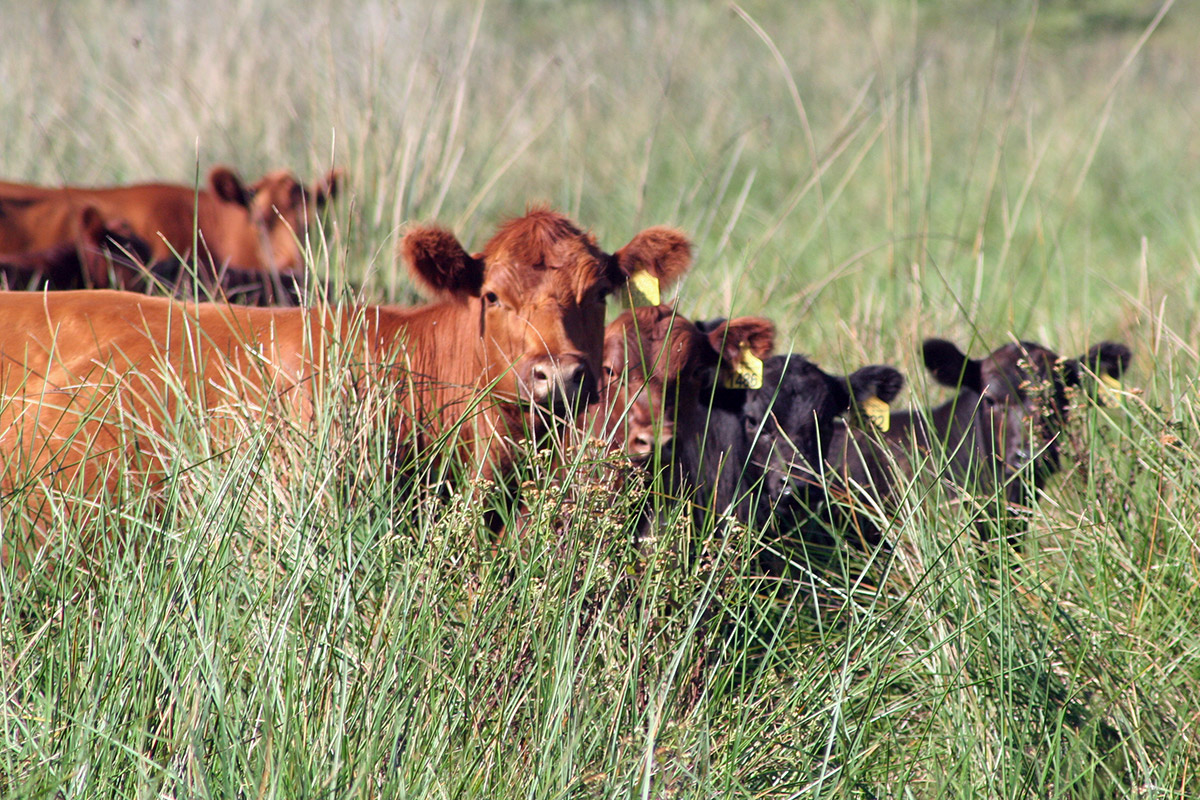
[663,253]
[227,186]
[90,225]
[1108,359]
[951,367]
[877,381]
[872,389]
[743,344]
[327,188]
[440,264]
[732,337]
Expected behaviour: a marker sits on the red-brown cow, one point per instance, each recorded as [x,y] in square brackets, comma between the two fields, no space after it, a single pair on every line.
[91,378]
[97,255]
[260,227]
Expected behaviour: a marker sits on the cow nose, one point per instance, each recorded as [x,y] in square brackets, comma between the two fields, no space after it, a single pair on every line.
[644,441]
[561,381]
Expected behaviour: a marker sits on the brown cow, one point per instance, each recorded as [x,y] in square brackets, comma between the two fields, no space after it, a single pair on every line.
[92,378]
[260,227]
[97,255]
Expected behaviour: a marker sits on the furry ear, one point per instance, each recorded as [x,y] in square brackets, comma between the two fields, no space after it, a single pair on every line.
[439,263]
[226,185]
[663,252]
[742,344]
[727,337]
[327,188]
[878,381]
[90,226]
[1108,358]
[951,367]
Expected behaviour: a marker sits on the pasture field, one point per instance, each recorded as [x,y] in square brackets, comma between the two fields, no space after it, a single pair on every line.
[866,174]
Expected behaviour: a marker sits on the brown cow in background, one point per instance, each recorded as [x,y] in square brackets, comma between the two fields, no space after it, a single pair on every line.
[514,334]
[257,228]
[95,253]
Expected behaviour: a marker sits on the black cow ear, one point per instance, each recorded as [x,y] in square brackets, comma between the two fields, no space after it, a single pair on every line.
[873,388]
[439,263]
[226,185]
[1108,358]
[951,367]
[878,381]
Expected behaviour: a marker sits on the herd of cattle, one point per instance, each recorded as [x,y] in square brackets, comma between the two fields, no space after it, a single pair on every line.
[511,346]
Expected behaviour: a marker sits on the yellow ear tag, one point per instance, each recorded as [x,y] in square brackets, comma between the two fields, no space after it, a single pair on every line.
[747,373]
[643,289]
[879,412]
[1109,383]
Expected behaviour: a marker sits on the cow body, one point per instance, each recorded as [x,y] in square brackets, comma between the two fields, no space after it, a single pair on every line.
[260,227]
[997,438]
[512,337]
[95,254]
[751,454]
[659,399]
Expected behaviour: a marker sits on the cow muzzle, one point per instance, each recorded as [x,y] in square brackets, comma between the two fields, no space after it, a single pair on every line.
[560,383]
[643,441]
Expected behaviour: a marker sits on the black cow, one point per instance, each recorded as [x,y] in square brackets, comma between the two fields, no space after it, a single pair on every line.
[751,451]
[659,399]
[996,438]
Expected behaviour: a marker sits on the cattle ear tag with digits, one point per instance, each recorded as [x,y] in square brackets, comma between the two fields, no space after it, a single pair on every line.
[643,289]
[747,373]
[879,412]
[1109,385]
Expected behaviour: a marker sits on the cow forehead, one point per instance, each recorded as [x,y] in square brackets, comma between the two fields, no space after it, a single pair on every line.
[1016,364]
[543,253]
[277,187]
[654,339]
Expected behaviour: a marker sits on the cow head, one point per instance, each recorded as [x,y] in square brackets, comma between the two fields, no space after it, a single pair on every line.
[661,369]
[1019,397]
[279,208]
[789,421]
[539,289]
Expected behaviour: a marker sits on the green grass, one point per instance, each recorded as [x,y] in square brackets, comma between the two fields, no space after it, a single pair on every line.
[289,623]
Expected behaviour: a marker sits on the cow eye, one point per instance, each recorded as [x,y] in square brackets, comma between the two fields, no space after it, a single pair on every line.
[491,299]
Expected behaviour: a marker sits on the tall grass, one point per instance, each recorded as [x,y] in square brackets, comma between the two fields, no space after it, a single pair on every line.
[281,618]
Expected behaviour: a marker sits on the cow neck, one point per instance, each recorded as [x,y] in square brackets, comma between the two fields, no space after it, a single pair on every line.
[961,427]
[439,340]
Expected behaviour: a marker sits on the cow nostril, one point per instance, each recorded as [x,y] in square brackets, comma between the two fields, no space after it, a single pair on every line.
[641,443]
[572,374]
